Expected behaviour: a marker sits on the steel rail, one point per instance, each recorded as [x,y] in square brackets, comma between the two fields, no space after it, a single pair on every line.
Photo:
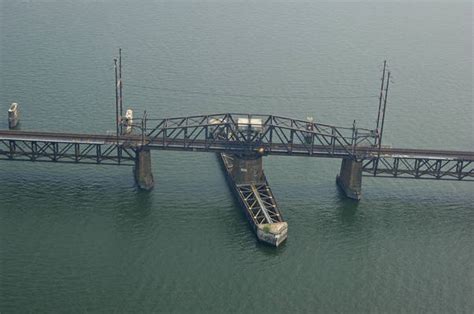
[224,144]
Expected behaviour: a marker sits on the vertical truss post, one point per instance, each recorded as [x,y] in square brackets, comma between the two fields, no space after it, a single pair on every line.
[119,154]
[459,168]
[185,135]
[12,145]
[271,135]
[98,153]
[76,152]
[34,149]
[291,140]
[333,140]
[417,168]
[55,151]
[438,169]
[376,164]
[396,162]
[165,125]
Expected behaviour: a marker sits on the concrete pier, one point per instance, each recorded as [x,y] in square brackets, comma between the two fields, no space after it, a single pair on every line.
[142,169]
[350,178]
[247,170]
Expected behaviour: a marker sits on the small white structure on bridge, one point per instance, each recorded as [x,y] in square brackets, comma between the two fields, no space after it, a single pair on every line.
[255,125]
[128,121]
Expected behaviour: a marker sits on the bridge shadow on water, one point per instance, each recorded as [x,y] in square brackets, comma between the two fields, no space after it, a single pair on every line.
[346,208]
[347,211]
[133,214]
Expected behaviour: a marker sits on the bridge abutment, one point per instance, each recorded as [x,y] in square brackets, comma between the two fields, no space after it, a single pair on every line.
[350,178]
[142,170]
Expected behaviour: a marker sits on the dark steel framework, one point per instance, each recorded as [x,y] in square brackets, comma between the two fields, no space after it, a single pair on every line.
[260,203]
[66,152]
[276,135]
[420,168]
[257,199]
[240,134]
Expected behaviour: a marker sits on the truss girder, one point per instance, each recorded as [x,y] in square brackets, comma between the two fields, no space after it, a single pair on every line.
[420,168]
[259,203]
[23,150]
[275,134]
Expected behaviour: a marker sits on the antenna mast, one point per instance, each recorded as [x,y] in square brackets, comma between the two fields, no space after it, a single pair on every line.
[380,98]
[116,98]
[383,121]
[383,112]
[120,82]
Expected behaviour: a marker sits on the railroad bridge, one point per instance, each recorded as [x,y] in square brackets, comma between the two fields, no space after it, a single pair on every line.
[248,137]
[241,141]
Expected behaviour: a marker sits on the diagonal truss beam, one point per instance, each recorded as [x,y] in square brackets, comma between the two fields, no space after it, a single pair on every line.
[420,168]
[42,151]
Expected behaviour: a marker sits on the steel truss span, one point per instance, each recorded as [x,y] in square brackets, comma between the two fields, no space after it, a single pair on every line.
[420,168]
[241,134]
[259,202]
[85,153]
[233,132]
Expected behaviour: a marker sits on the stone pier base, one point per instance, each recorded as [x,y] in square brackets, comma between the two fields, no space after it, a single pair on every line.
[142,169]
[247,170]
[350,178]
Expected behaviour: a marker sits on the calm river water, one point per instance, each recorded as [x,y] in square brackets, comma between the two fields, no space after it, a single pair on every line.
[77,238]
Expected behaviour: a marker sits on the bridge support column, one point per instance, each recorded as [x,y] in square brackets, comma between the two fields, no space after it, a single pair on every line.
[350,178]
[247,169]
[142,169]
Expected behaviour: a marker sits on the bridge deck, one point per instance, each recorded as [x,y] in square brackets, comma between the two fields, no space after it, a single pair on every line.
[227,145]
[53,137]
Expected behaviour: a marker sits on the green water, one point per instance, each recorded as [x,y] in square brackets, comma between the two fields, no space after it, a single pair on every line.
[76,238]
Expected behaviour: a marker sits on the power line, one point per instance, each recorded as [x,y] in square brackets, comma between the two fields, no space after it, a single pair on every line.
[184,91]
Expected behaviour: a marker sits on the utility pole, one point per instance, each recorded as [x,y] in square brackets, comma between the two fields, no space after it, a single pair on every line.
[116,98]
[143,127]
[120,82]
[383,112]
[354,136]
[145,116]
[380,97]
[376,164]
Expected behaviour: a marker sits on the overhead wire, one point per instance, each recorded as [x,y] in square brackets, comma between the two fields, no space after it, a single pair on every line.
[193,92]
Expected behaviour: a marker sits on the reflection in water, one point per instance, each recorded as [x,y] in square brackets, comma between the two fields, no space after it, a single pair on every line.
[347,210]
[270,251]
[133,212]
